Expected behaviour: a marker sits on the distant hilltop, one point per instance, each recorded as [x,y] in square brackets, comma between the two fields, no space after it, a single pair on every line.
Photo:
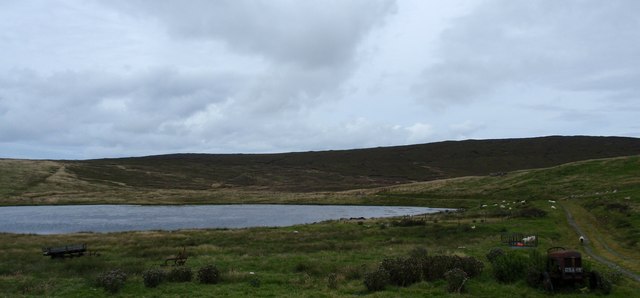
[349,169]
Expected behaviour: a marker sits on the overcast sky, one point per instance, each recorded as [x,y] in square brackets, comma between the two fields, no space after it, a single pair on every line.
[90,79]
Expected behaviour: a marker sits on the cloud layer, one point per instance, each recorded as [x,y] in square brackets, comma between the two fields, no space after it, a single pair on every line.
[119,78]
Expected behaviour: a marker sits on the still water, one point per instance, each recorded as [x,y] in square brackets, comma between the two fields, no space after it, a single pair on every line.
[119,218]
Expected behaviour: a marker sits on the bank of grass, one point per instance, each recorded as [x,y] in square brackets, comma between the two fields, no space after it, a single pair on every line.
[283,262]
[296,261]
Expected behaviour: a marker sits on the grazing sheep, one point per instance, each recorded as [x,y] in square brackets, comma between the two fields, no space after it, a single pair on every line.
[553,207]
[552,201]
[502,206]
[581,239]
[483,206]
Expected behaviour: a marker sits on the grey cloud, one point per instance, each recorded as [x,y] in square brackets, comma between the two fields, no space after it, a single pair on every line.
[568,46]
[309,33]
[90,105]
[308,47]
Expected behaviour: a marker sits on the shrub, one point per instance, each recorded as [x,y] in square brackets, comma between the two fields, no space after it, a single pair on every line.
[209,274]
[153,277]
[418,253]
[402,271]
[471,266]
[376,280]
[509,267]
[606,286]
[180,274]
[434,267]
[112,281]
[494,253]
[537,260]
[600,283]
[455,280]
[613,275]
[534,277]
[409,222]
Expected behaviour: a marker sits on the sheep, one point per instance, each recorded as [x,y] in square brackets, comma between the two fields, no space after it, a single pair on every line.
[483,206]
[502,206]
[552,201]
[553,207]
[581,239]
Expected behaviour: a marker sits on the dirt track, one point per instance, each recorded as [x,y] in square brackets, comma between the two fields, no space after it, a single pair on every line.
[590,252]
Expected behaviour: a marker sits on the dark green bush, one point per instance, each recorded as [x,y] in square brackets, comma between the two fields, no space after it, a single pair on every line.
[180,274]
[471,266]
[376,280]
[494,253]
[409,222]
[455,280]
[510,267]
[534,277]
[402,271]
[153,277]
[112,281]
[606,286]
[537,260]
[599,282]
[418,253]
[209,274]
[613,275]
[434,267]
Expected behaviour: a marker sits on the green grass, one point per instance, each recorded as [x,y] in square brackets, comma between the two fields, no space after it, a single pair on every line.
[286,263]
[603,194]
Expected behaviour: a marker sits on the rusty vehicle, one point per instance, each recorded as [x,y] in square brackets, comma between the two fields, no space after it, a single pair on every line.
[564,265]
[564,268]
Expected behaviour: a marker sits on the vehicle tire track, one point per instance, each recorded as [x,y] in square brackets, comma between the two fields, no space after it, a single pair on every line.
[590,252]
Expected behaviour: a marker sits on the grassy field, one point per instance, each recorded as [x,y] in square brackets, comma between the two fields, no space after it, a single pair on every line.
[300,260]
[214,178]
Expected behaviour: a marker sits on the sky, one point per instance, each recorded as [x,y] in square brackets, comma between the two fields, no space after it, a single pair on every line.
[114,78]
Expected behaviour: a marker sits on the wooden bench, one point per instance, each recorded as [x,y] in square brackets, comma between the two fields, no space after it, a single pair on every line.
[73,250]
[179,259]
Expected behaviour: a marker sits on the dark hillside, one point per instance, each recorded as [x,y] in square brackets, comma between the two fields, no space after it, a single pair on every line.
[349,169]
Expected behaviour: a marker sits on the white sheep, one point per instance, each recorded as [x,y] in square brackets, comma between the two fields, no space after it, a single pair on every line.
[484,206]
[553,207]
[552,201]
